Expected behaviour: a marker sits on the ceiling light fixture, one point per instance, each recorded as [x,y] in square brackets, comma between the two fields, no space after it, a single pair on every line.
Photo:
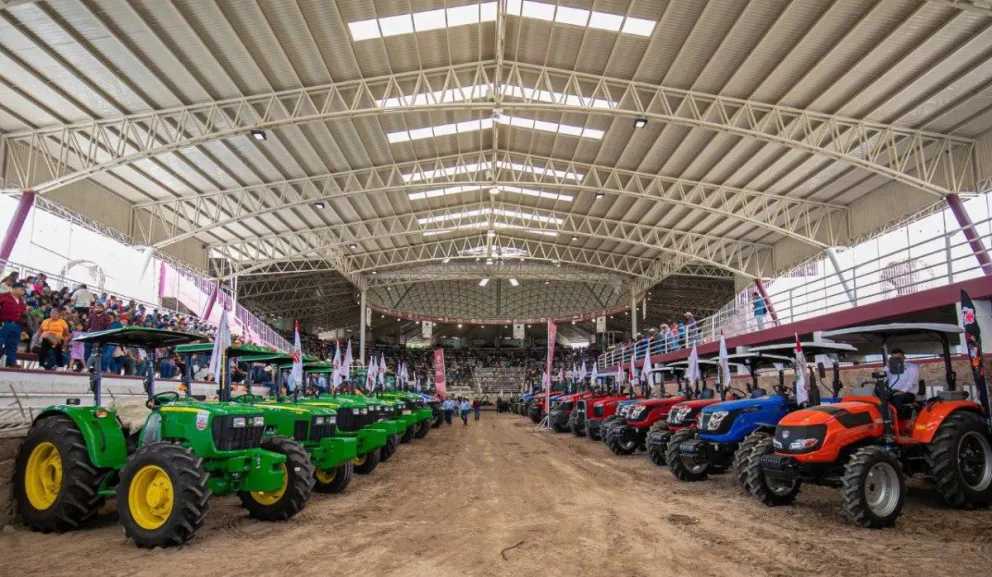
[640,122]
[353,245]
[446,261]
[599,195]
[484,282]
[514,282]
[320,204]
[258,134]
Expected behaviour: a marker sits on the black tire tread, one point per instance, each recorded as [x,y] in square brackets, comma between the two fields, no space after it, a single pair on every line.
[741,456]
[345,472]
[423,427]
[942,459]
[371,462]
[755,478]
[408,434]
[78,501]
[392,443]
[674,461]
[613,439]
[857,467]
[656,451]
[300,487]
[191,495]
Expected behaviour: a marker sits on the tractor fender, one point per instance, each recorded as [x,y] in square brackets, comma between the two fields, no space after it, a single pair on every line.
[104,438]
[765,427]
[929,420]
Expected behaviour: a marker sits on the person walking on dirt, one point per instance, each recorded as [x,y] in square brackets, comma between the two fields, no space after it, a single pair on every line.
[465,406]
[477,408]
[448,406]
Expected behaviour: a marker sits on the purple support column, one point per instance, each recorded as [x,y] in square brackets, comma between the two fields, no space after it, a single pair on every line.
[760,285]
[16,222]
[211,301]
[968,228]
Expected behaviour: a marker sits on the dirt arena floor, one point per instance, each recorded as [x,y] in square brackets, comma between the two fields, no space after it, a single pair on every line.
[496,498]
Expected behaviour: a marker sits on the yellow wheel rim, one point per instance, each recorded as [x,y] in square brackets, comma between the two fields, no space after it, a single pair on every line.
[272,497]
[326,476]
[360,460]
[150,497]
[43,476]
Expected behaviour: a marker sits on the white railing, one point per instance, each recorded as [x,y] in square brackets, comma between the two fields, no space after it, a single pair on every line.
[925,263]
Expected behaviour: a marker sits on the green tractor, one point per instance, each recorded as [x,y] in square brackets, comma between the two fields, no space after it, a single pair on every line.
[417,413]
[164,473]
[312,427]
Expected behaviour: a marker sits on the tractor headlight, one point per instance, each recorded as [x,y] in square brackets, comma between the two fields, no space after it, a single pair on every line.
[681,415]
[801,444]
[365,411]
[715,419]
[637,413]
[332,420]
[239,422]
[258,421]
[318,421]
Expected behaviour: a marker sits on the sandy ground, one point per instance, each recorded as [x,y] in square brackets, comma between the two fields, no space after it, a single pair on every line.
[553,504]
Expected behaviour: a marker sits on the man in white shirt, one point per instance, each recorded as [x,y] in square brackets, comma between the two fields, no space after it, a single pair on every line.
[904,385]
[82,299]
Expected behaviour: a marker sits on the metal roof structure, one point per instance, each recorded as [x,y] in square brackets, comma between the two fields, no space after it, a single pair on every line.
[597,150]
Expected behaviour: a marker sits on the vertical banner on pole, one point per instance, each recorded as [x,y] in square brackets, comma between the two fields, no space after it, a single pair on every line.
[644,309]
[439,384]
[518,331]
[552,334]
[601,324]
[427,329]
[368,315]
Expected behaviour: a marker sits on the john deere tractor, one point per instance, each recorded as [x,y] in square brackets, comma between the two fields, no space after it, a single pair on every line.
[162,474]
[312,427]
[417,414]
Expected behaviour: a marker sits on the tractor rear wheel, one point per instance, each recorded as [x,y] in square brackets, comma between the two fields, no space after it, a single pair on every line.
[873,488]
[392,443]
[55,483]
[163,497]
[333,480]
[437,419]
[297,483]
[365,464]
[614,440]
[741,456]
[678,467]
[771,492]
[408,434]
[591,434]
[573,425]
[423,427]
[960,461]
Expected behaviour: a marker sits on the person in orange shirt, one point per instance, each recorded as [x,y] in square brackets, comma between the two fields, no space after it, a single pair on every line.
[54,332]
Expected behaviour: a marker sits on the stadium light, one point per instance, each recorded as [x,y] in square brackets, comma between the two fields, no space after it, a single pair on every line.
[514,282]
[484,282]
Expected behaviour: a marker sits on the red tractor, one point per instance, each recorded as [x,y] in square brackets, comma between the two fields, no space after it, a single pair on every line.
[681,415]
[629,434]
[601,409]
[866,444]
[562,409]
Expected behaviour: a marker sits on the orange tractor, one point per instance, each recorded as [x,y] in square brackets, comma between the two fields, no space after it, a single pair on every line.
[869,442]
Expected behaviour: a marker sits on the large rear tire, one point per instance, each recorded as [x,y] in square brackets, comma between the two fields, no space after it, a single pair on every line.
[408,434]
[55,483]
[591,434]
[960,460]
[392,443]
[423,427]
[334,480]
[771,492]
[298,482]
[873,488]
[573,425]
[657,449]
[741,456]
[365,464]
[163,497]
[619,447]
[673,456]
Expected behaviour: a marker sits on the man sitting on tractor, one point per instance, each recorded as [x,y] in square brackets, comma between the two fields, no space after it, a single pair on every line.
[903,378]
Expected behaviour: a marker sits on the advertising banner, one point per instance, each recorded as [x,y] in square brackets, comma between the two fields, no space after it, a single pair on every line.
[439,373]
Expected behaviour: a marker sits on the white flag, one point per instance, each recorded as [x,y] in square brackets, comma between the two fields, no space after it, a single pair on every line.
[633,364]
[595,372]
[692,369]
[297,373]
[370,376]
[802,394]
[336,371]
[346,363]
[724,363]
[222,342]
[382,370]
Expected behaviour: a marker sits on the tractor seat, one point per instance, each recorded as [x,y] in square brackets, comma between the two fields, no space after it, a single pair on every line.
[864,392]
[757,393]
[706,394]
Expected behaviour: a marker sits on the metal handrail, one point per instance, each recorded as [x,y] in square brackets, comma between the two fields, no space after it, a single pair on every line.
[826,294]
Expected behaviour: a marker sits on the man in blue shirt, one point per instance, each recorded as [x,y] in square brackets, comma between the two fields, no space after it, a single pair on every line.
[322,383]
[465,408]
[448,406]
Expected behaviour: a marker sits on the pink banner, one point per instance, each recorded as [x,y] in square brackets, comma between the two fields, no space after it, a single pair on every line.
[439,385]
[552,334]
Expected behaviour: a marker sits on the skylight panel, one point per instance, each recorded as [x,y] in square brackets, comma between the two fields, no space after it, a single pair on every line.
[462,15]
[503,164]
[488,11]
[453,190]
[592,133]
[570,130]
[606,21]
[429,20]
[421,133]
[513,7]
[447,191]
[545,126]
[574,16]
[539,11]
[395,137]
[638,26]
[468,126]
[396,25]
[444,130]
[364,29]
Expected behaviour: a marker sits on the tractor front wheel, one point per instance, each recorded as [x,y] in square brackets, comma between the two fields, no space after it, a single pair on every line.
[392,443]
[408,434]
[55,483]
[873,488]
[619,447]
[657,448]
[297,483]
[333,480]
[573,425]
[960,461]
[590,433]
[678,467]
[365,464]
[163,496]
[423,427]
[741,456]
[771,492]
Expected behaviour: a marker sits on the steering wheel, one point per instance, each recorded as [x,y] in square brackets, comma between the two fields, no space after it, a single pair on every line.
[248,398]
[737,392]
[160,398]
[782,390]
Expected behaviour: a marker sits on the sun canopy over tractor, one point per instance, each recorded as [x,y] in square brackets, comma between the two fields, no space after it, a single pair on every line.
[140,337]
[911,338]
[233,351]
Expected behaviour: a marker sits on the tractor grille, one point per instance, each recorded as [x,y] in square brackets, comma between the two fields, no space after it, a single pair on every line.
[229,438]
[352,419]
[318,432]
[597,410]
[300,430]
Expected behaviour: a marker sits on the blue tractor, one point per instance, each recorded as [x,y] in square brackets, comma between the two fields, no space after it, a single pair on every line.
[727,431]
